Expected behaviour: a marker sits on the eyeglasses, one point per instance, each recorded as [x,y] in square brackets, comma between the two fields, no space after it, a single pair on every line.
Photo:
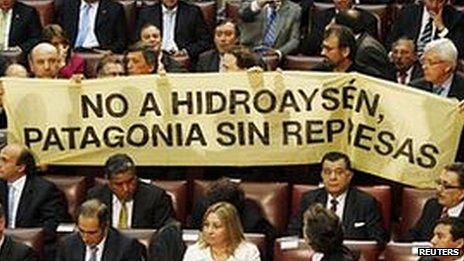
[430,62]
[444,185]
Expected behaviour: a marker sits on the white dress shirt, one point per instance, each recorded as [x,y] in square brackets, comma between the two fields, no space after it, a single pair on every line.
[407,78]
[18,190]
[425,19]
[340,205]
[91,39]
[117,210]
[456,210]
[6,34]
[446,85]
[100,248]
[169,29]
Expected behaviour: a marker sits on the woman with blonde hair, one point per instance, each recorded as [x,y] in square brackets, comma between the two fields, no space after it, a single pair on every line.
[222,237]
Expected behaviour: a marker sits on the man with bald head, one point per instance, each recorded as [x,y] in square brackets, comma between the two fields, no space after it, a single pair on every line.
[44,61]
[29,200]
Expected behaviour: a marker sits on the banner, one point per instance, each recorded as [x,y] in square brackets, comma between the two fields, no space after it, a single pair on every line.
[237,119]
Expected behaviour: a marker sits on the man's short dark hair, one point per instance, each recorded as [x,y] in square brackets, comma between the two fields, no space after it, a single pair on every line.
[245,57]
[226,190]
[458,168]
[27,159]
[118,163]
[352,19]
[323,229]
[225,21]
[150,56]
[457,226]
[335,155]
[94,208]
[345,38]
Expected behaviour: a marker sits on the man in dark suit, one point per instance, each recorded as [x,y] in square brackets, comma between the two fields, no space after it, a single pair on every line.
[31,200]
[429,20]
[25,27]
[369,52]
[405,62]
[312,44]
[270,27]
[359,212]
[226,34]
[96,240]
[449,202]
[132,203]
[11,250]
[94,24]
[183,27]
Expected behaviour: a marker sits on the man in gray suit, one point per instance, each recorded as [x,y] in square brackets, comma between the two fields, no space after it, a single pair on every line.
[270,27]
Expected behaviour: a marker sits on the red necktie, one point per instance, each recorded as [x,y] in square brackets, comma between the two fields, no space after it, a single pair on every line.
[403,76]
[444,213]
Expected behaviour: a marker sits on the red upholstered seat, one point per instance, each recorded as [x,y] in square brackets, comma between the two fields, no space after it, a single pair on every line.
[400,252]
[177,189]
[32,237]
[142,235]
[45,8]
[412,203]
[301,63]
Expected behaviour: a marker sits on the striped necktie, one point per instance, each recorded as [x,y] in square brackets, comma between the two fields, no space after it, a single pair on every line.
[270,33]
[426,36]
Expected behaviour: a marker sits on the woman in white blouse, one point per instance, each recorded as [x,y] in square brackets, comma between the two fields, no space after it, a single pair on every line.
[222,238]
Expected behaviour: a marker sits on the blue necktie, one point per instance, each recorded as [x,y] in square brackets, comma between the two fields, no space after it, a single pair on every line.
[84,25]
[271,29]
[438,90]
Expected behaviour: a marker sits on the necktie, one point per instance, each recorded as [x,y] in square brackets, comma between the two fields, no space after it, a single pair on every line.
[438,90]
[122,222]
[11,201]
[84,25]
[93,253]
[444,213]
[333,205]
[402,76]
[271,29]
[426,36]
[3,22]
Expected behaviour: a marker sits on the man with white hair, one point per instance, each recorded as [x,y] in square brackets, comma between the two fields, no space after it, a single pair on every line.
[439,64]
[44,61]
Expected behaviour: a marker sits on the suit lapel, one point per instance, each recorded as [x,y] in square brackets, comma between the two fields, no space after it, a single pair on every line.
[25,199]
[454,88]
[418,21]
[180,21]
[349,209]
[101,18]
[15,21]
[4,196]
[108,200]
[137,207]
[281,19]
[108,252]
[6,248]
[74,19]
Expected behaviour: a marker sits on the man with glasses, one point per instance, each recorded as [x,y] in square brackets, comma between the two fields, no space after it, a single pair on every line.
[96,240]
[359,212]
[448,203]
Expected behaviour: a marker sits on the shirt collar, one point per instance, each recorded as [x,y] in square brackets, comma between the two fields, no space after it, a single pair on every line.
[340,198]
[19,183]
[456,210]
[84,3]
[447,83]
[100,245]
[169,11]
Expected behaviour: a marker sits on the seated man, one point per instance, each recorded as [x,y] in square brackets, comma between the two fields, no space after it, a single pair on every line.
[226,35]
[141,59]
[110,66]
[448,233]
[11,250]
[270,27]
[359,211]
[44,61]
[96,240]
[449,202]
[404,59]
[131,203]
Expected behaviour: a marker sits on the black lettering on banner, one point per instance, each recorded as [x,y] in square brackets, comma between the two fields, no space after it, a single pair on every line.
[363,98]
[406,150]
[330,102]
[361,134]
[335,126]
[177,103]
[385,146]
[199,102]
[110,102]
[89,138]
[272,101]
[32,135]
[132,135]
[71,135]
[350,131]
[115,140]
[308,99]
[227,136]
[215,102]
[291,129]
[239,97]
[87,104]
[178,133]
[149,105]
[428,151]
[348,97]
[313,128]
[52,139]
[166,136]
[254,131]
[289,101]
[195,134]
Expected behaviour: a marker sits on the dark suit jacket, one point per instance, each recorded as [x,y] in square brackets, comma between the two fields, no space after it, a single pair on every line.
[26,29]
[14,251]
[408,24]
[208,61]
[371,53]
[456,90]
[423,229]
[41,205]
[152,206]
[191,31]
[360,207]
[117,248]
[312,45]
[110,24]
[416,73]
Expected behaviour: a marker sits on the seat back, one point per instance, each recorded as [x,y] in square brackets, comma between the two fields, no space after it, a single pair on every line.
[400,252]
[45,9]
[412,203]
[177,189]
[74,189]
[301,63]
[142,235]
[209,13]
[91,63]
[272,197]
[232,8]
[381,12]
[32,237]
[381,193]
[130,12]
